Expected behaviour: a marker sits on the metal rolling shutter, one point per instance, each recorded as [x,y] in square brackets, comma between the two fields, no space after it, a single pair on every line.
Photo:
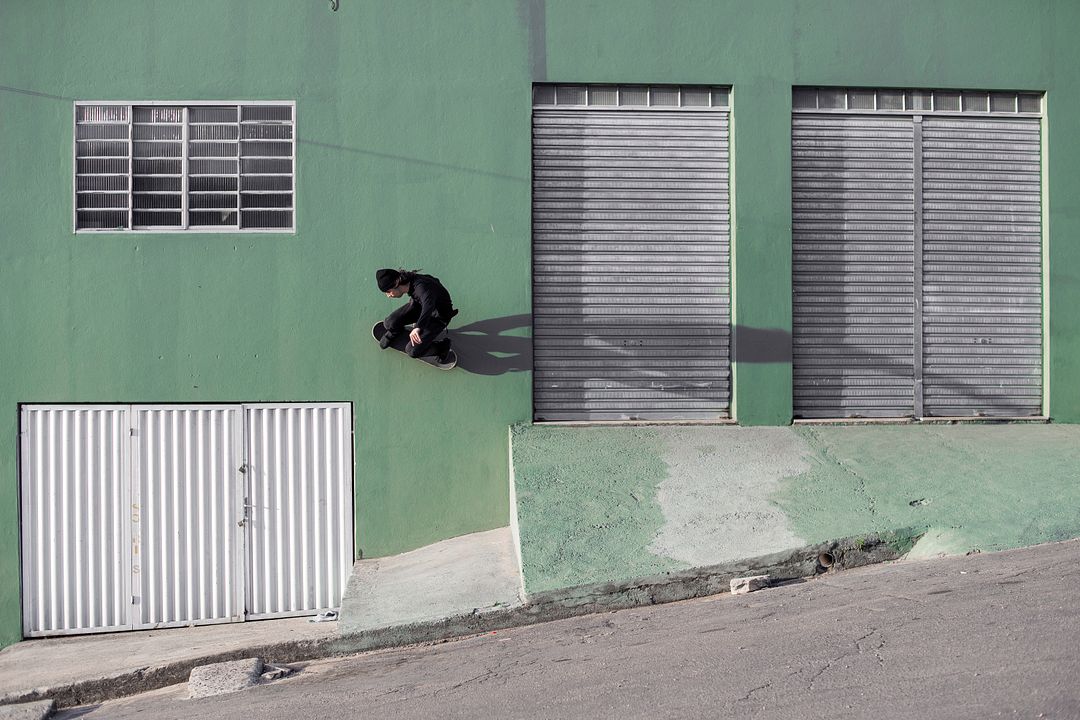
[982,322]
[853,226]
[631,301]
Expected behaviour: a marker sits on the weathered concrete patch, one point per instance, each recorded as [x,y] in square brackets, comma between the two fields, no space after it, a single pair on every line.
[222,678]
[976,487]
[716,496]
[475,572]
[586,500]
[37,710]
[938,542]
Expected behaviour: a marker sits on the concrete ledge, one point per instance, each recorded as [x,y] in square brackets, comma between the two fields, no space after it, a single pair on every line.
[542,607]
[664,588]
[37,710]
[132,682]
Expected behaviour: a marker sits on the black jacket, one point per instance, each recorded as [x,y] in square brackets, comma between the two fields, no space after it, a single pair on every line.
[436,307]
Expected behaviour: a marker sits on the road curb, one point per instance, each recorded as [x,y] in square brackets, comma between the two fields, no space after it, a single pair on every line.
[541,607]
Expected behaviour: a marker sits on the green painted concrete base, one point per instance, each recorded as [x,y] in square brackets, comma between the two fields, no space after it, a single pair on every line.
[604,504]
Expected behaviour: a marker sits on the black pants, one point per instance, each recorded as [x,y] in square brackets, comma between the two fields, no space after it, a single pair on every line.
[409,313]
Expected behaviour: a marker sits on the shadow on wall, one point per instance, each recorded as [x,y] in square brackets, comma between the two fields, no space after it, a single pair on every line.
[482,349]
[761,345]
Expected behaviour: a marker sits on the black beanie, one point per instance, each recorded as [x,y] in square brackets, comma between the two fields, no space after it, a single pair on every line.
[387,279]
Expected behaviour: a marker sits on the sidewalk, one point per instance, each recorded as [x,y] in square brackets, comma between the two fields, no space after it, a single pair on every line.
[609,503]
[611,517]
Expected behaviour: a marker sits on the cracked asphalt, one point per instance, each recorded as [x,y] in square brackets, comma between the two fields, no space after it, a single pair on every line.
[981,636]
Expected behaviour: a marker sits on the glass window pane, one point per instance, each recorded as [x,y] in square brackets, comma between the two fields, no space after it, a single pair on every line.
[222,132]
[103,182]
[102,113]
[603,95]
[721,98]
[265,200]
[890,100]
[275,113]
[262,131]
[101,132]
[207,183]
[203,218]
[637,96]
[543,95]
[212,114]
[695,97]
[205,166]
[143,183]
[156,201]
[1029,102]
[151,219]
[804,99]
[266,149]
[861,100]
[148,114]
[266,219]
[571,94]
[1002,102]
[102,219]
[282,183]
[110,201]
[664,97]
[920,100]
[975,102]
[264,165]
[947,102]
[831,99]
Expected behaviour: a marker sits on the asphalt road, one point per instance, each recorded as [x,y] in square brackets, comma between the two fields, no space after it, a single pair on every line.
[983,636]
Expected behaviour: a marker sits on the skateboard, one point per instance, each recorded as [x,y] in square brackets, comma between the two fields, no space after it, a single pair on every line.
[401,341]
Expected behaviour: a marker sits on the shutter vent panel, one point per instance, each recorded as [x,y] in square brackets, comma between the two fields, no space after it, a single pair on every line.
[630,264]
[982,318]
[853,224]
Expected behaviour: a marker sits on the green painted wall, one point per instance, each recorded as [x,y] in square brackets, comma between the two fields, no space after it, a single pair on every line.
[413,125]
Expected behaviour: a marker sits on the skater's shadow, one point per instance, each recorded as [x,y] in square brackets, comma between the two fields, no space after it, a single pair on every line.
[483,349]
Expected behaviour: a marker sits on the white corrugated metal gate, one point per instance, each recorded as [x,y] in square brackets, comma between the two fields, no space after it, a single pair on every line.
[917,257]
[631,262]
[157,516]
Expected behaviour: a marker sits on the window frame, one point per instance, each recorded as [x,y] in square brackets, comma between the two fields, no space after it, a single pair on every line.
[187,228]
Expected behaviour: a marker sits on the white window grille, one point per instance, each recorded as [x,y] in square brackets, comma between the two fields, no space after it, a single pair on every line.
[199,167]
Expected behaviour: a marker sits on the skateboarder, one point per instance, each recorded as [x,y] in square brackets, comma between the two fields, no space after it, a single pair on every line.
[429,309]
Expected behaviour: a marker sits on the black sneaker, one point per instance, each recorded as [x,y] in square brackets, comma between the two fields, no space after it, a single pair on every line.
[386,339]
[442,354]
